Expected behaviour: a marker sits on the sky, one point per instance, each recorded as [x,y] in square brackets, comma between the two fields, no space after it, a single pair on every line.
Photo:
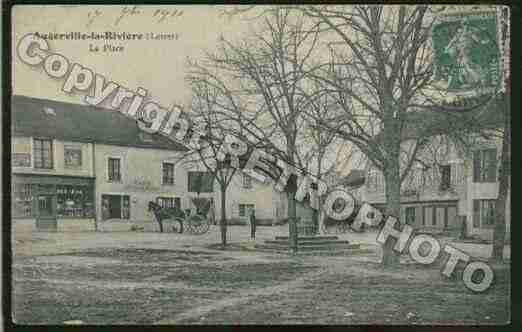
[155,65]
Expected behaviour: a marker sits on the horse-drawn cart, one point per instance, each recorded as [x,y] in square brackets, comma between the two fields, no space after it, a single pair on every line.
[175,220]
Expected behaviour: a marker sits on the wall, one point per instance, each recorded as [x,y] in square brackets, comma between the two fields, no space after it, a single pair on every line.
[465,189]
[265,198]
[141,178]
[485,190]
[25,145]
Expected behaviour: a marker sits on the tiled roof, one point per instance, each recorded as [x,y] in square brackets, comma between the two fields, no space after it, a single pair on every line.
[84,123]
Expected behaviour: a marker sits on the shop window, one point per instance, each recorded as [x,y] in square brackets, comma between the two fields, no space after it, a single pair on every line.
[73,156]
[75,201]
[22,200]
[43,153]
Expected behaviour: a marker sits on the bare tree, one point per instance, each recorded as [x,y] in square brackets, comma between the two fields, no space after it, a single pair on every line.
[214,128]
[260,81]
[379,64]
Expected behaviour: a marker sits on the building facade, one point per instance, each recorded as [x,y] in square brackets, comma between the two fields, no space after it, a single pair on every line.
[75,166]
[456,188]
[81,168]
[52,177]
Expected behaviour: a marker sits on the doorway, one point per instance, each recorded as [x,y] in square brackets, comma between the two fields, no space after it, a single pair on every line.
[46,217]
[115,207]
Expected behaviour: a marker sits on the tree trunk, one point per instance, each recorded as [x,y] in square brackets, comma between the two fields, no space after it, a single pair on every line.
[499,232]
[223,221]
[292,221]
[392,176]
[316,213]
[291,189]
[393,205]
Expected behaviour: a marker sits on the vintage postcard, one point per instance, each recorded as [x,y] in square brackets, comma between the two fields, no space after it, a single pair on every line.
[234,165]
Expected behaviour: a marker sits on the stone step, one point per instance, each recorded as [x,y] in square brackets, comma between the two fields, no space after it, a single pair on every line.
[277,247]
[308,242]
[305,238]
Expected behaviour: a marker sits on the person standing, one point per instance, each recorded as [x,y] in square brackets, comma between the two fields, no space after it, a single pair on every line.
[252,224]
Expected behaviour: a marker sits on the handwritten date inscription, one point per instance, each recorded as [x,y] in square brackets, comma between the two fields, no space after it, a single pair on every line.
[160,15]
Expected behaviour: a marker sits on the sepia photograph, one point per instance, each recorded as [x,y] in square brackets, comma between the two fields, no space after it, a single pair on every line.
[258,164]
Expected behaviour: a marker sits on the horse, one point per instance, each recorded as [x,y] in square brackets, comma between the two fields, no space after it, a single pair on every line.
[161,213]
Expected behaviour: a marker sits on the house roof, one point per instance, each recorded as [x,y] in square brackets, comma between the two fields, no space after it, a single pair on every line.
[83,123]
[428,123]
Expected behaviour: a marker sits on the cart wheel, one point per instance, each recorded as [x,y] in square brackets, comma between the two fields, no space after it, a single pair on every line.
[198,224]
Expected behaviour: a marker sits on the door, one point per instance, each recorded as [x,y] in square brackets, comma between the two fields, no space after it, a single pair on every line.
[452,217]
[114,207]
[46,217]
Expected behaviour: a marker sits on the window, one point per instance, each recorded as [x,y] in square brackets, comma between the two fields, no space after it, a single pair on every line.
[200,182]
[484,213]
[244,209]
[21,152]
[427,217]
[73,156]
[410,215]
[169,202]
[43,153]
[21,159]
[75,201]
[485,165]
[375,180]
[247,181]
[445,177]
[114,170]
[168,173]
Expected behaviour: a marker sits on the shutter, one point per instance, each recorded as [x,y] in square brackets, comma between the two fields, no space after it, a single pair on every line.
[476,166]
[476,213]
[492,166]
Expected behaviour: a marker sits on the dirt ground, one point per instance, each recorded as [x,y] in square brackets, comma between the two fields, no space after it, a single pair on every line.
[151,278]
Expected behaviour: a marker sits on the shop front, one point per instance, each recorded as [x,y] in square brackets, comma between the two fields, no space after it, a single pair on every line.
[47,198]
